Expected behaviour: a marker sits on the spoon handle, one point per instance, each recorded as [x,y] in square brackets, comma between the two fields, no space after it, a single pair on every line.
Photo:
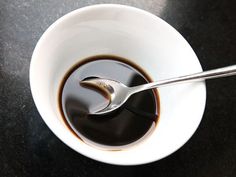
[215,73]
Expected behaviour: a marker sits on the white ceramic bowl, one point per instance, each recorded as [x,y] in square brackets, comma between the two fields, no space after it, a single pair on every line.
[138,36]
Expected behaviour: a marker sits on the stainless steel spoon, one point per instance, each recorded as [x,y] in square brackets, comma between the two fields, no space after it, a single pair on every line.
[118,93]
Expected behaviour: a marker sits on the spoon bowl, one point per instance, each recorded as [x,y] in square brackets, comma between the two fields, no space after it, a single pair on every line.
[115,91]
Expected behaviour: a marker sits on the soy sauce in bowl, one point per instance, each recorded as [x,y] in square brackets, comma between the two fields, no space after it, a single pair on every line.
[130,123]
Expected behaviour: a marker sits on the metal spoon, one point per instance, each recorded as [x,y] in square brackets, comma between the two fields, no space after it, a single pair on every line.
[118,93]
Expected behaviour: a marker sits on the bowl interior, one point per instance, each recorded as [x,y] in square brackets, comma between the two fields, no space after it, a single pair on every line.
[141,38]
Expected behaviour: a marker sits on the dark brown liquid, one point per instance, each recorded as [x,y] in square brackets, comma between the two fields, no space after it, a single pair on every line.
[121,127]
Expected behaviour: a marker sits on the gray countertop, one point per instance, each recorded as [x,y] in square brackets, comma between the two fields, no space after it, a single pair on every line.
[29,148]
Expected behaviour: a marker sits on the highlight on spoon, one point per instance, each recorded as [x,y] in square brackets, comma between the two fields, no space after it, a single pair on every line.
[99,85]
[94,83]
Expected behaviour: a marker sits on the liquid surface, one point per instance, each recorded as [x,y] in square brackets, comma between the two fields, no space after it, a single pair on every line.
[124,126]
